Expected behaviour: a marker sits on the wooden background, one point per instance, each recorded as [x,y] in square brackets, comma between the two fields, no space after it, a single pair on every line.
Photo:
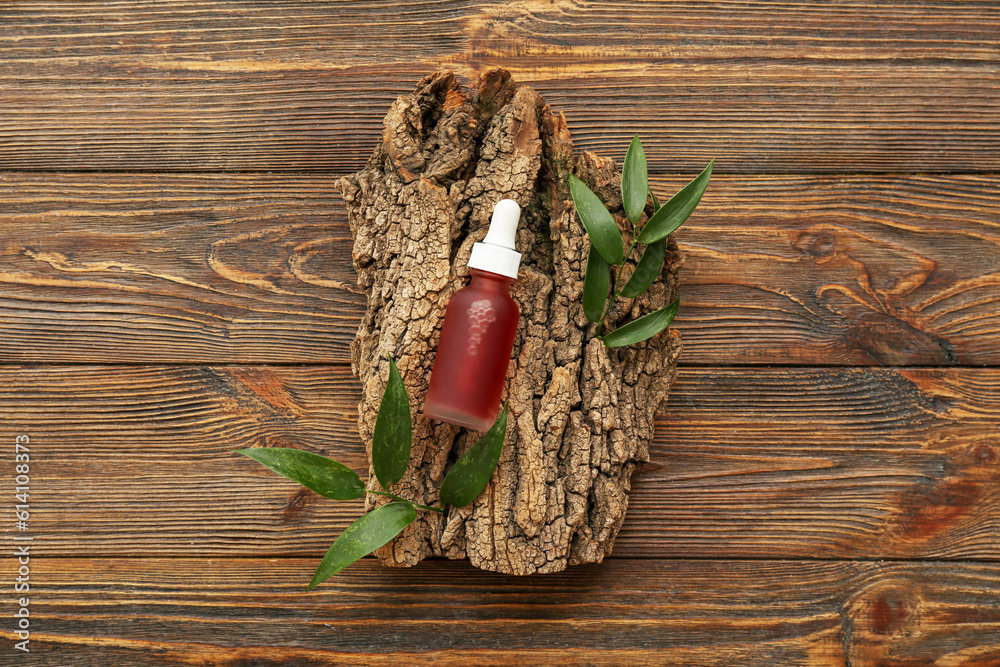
[175,283]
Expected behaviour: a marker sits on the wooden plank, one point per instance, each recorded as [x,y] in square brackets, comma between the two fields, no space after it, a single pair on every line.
[770,463]
[266,87]
[228,268]
[754,118]
[389,32]
[766,118]
[821,463]
[678,30]
[193,611]
[238,268]
[854,271]
[233,35]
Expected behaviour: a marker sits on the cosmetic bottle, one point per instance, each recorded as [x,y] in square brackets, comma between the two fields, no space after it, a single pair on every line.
[478,332]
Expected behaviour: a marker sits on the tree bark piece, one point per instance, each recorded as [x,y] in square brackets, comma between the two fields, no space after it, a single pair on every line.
[581,415]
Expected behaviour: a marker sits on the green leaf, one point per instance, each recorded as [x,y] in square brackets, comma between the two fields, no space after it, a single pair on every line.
[363,537]
[600,225]
[393,436]
[595,285]
[645,271]
[672,215]
[635,183]
[645,327]
[656,202]
[472,472]
[317,473]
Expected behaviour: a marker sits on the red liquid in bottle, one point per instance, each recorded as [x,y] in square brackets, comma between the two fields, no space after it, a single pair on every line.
[472,358]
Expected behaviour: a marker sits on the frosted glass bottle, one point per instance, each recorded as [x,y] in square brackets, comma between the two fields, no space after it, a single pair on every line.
[477,336]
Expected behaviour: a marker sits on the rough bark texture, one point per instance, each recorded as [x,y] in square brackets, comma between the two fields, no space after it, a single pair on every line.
[581,415]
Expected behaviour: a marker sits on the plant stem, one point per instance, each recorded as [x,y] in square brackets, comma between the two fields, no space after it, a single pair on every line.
[618,280]
[395,497]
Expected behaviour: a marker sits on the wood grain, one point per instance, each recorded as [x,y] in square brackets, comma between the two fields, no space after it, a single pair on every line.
[231,268]
[153,320]
[770,463]
[795,88]
[868,462]
[840,270]
[754,118]
[690,32]
[650,612]
[400,31]
[247,34]
[241,268]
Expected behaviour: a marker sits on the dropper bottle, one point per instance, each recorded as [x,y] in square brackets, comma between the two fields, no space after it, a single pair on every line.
[477,336]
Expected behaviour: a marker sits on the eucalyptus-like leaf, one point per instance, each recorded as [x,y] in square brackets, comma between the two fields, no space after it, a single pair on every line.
[364,536]
[472,471]
[672,215]
[640,329]
[598,221]
[645,271]
[635,183]
[595,285]
[317,473]
[393,436]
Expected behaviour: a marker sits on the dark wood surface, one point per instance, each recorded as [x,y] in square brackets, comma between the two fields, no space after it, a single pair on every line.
[240,611]
[251,268]
[175,283]
[136,461]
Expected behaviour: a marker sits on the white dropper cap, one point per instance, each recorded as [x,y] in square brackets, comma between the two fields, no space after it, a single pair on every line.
[496,252]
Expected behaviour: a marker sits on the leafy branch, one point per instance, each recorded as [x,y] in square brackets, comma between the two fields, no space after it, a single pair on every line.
[607,248]
[392,441]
